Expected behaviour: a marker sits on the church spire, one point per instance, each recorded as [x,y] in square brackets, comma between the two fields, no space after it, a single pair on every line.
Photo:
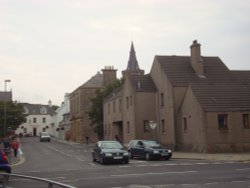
[132,62]
[133,66]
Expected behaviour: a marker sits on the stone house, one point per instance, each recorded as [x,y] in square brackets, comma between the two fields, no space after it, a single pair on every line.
[189,103]
[80,103]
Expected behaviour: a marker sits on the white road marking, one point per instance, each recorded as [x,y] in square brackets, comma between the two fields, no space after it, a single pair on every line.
[243,169]
[153,173]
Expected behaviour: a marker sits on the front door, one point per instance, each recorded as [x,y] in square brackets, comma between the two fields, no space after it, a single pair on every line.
[34,132]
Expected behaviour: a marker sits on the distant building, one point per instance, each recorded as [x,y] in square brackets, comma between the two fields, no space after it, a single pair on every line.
[189,103]
[39,119]
[80,103]
[5,96]
[61,119]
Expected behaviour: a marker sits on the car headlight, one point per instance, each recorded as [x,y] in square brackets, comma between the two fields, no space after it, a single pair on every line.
[108,154]
[155,152]
[169,151]
[125,154]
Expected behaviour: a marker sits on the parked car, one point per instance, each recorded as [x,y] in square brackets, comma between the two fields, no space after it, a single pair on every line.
[4,164]
[148,149]
[109,151]
[44,136]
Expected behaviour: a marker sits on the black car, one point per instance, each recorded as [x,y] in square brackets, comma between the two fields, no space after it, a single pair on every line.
[148,149]
[109,152]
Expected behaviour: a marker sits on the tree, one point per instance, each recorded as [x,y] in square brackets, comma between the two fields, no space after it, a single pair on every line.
[14,116]
[96,110]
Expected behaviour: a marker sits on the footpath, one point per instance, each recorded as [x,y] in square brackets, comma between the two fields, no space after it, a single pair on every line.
[213,156]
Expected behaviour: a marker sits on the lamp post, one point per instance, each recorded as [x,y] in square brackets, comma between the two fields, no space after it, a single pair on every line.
[5,101]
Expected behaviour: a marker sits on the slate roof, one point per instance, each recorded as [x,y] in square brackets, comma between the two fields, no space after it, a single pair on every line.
[94,81]
[35,109]
[242,76]
[219,90]
[143,83]
[221,97]
[180,72]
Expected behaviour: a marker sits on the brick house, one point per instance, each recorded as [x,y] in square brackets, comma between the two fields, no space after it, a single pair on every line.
[195,103]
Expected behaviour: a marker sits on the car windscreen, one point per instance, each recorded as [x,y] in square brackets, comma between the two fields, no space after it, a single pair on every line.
[111,145]
[44,134]
[151,144]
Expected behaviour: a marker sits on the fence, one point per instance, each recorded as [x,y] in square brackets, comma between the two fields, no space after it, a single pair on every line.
[50,183]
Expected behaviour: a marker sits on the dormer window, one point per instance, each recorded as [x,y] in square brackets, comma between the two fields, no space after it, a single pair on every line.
[26,110]
[43,110]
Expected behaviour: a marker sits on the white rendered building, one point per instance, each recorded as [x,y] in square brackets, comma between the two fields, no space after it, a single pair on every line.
[39,119]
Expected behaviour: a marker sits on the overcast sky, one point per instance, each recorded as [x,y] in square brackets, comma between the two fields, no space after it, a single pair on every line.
[51,47]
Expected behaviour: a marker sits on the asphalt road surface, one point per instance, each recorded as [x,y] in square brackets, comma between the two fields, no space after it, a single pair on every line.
[72,164]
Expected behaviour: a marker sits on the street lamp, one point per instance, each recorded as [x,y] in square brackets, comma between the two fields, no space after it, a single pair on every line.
[153,126]
[5,101]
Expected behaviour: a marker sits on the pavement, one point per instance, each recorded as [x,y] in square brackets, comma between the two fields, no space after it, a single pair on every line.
[213,156]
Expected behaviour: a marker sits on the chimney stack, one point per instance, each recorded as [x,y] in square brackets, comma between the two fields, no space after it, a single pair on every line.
[196,60]
[109,75]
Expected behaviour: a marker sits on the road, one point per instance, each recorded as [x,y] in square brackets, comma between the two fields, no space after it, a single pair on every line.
[72,164]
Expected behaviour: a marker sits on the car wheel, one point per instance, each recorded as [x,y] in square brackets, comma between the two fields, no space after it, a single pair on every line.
[126,161]
[167,158]
[6,177]
[101,160]
[147,156]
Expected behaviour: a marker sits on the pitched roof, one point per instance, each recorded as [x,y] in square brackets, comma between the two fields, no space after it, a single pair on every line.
[143,83]
[38,109]
[242,76]
[94,81]
[219,90]
[180,72]
[223,97]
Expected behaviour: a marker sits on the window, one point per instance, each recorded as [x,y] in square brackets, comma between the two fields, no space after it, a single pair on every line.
[43,110]
[108,108]
[44,120]
[127,102]
[120,105]
[222,122]
[113,106]
[26,110]
[146,126]
[130,100]
[105,129]
[34,120]
[163,130]
[128,127]
[184,124]
[245,118]
[162,99]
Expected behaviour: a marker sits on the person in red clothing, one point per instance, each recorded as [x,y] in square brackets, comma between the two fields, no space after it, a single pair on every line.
[15,146]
